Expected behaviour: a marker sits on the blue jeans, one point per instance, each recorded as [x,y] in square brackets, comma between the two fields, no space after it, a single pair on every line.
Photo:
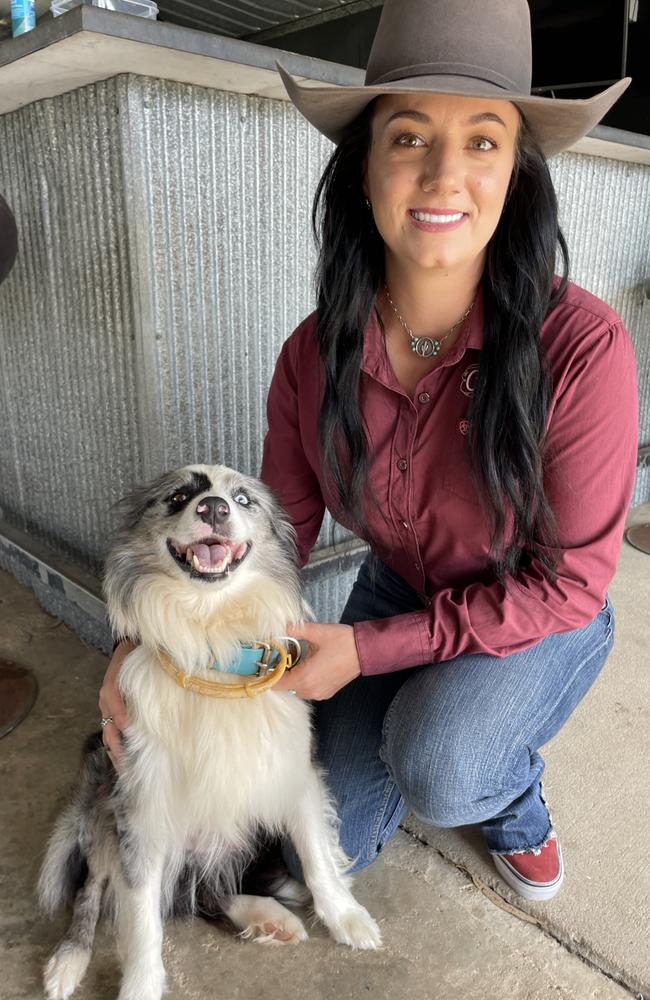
[454,742]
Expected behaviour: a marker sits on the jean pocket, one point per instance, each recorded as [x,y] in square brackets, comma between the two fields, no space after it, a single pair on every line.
[606,616]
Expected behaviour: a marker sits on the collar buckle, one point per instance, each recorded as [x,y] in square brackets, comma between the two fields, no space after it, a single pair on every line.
[264,666]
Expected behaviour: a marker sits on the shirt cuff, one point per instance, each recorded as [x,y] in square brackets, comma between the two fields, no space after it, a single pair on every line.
[389,644]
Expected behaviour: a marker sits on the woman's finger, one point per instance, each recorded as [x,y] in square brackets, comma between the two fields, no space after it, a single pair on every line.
[113,707]
[112,739]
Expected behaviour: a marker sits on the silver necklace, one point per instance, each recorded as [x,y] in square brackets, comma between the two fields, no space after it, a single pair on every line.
[427,347]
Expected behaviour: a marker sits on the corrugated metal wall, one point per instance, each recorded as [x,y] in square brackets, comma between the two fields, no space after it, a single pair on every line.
[605,216]
[165,255]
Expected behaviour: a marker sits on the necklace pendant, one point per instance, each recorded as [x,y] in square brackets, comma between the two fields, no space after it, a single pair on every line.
[425,347]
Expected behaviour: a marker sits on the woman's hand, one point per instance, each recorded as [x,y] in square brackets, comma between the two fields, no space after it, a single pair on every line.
[111,704]
[331,664]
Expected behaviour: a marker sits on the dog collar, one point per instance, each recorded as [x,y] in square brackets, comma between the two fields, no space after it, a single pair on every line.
[249,661]
[267,676]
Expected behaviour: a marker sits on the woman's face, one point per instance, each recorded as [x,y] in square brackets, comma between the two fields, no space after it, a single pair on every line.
[434,158]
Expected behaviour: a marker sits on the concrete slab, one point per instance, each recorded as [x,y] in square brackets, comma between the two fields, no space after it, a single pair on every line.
[598,790]
[445,936]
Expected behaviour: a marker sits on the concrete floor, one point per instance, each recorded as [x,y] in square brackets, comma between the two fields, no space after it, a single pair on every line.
[450,929]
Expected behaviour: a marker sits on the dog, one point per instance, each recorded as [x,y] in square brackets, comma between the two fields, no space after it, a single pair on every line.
[204,560]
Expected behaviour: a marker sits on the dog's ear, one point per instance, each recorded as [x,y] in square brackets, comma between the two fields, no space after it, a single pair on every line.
[134,505]
[279,521]
[284,530]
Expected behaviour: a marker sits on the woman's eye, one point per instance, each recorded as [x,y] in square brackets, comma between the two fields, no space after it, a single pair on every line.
[491,144]
[409,140]
[242,499]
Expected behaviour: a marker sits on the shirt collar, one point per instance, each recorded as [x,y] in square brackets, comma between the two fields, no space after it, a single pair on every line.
[375,359]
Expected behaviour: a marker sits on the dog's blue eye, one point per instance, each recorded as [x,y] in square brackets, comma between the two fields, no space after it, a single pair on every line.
[242,499]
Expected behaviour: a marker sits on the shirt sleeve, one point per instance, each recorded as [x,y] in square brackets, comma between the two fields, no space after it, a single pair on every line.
[285,467]
[591,454]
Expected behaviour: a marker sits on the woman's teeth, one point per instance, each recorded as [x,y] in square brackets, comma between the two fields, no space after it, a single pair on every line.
[427,217]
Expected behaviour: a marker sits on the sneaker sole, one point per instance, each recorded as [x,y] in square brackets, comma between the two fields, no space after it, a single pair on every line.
[535,891]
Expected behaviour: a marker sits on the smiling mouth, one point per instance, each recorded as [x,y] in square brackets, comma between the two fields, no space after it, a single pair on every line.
[211,558]
[444,218]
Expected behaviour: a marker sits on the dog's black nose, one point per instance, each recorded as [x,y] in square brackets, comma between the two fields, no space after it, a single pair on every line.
[213,510]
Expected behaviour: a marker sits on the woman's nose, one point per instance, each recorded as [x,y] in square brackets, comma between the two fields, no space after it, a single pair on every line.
[441,169]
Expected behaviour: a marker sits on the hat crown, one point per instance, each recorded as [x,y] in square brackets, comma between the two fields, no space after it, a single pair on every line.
[487,40]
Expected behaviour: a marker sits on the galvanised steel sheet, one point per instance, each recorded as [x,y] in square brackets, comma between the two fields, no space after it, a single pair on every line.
[605,217]
[246,18]
[165,254]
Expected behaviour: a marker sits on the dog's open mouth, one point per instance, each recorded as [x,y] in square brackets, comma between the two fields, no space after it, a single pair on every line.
[210,558]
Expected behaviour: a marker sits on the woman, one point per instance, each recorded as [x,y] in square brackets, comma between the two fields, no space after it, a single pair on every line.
[468,413]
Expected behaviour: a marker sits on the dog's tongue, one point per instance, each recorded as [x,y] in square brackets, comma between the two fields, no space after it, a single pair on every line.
[210,555]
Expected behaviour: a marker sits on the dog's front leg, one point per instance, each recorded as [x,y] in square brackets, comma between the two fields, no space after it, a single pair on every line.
[139,924]
[312,828]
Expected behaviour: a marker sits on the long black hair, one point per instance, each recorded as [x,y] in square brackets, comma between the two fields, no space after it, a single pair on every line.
[509,406]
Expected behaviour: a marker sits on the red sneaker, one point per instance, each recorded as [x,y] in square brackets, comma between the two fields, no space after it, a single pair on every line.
[533,876]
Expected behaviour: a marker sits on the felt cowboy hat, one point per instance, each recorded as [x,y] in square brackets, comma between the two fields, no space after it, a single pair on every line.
[465,48]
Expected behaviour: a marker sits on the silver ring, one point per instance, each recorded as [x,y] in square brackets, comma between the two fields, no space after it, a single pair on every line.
[106,721]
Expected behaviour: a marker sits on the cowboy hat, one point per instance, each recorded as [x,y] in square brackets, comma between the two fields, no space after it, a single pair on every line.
[474,48]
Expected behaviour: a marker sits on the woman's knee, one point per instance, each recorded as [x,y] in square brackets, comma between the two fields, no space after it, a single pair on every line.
[446,790]
[449,771]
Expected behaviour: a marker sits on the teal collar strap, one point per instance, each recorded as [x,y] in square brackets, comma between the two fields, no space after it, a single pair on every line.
[258,657]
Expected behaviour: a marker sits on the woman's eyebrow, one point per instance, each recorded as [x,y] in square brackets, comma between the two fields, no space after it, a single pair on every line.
[419,116]
[486,116]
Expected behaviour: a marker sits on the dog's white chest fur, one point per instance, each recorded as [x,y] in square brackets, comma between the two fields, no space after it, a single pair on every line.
[212,767]
[199,775]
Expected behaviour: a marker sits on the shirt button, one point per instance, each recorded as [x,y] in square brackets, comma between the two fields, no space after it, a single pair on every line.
[424,397]
[402,464]
[404,524]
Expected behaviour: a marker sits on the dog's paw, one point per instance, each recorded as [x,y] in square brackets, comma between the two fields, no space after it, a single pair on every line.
[286,930]
[265,921]
[142,981]
[356,928]
[64,971]
[140,992]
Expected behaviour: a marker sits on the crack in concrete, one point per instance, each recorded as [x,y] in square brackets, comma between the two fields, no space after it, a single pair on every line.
[503,904]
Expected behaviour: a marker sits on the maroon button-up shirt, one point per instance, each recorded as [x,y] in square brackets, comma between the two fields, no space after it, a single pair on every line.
[434,534]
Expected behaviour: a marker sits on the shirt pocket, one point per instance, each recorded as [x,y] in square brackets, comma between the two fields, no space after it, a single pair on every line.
[457,478]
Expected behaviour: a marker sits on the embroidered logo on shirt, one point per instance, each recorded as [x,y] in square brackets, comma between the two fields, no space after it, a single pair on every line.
[463,427]
[468,381]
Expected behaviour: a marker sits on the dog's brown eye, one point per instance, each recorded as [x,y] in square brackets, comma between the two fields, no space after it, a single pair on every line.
[179,497]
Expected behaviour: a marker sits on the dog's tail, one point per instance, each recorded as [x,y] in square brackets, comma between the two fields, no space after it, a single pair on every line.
[65,867]
[67,877]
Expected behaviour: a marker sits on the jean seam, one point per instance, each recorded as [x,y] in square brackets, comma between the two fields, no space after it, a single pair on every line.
[390,785]
[386,730]
[533,848]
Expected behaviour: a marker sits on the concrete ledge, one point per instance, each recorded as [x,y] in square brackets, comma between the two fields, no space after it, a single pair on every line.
[75,596]
[89,44]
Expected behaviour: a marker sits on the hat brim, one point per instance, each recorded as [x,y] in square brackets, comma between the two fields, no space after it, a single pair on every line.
[555,123]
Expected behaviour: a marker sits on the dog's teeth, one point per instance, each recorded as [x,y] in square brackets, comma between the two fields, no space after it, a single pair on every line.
[188,555]
[197,564]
